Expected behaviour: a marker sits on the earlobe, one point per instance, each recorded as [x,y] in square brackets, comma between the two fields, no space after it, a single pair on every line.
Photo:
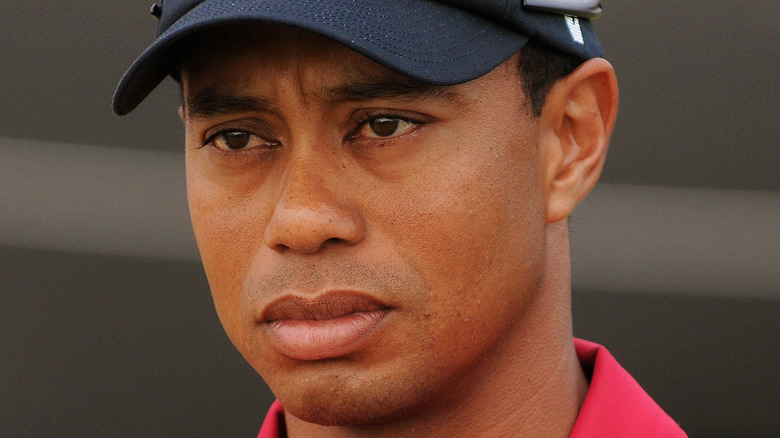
[575,126]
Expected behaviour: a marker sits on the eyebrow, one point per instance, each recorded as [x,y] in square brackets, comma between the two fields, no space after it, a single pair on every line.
[385,88]
[213,101]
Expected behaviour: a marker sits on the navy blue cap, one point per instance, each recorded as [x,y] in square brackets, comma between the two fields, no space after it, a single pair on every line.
[442,42]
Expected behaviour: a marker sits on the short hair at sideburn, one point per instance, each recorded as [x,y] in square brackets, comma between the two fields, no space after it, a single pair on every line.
[540,67]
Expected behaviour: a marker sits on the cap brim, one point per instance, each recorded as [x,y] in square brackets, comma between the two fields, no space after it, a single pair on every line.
[427,41]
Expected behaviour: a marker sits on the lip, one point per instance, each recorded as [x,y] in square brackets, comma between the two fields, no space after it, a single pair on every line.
[327,326]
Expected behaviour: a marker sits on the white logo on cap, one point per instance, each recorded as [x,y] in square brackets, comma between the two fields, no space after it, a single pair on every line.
[573,23]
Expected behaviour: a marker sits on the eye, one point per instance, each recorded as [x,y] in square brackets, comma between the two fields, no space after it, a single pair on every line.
[237,140]
[386,126]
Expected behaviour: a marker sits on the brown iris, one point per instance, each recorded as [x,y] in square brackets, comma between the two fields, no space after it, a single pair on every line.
[236,139]
[384,126]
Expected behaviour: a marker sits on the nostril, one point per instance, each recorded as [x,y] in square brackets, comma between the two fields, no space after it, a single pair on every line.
[309,230]
[333,241]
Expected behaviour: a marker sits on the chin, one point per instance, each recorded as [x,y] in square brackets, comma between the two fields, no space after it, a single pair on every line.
[343,413]
[361,405]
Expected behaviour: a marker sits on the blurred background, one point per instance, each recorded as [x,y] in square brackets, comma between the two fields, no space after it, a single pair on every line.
[106,322]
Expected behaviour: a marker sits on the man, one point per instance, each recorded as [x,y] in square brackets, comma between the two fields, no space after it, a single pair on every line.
[379,191]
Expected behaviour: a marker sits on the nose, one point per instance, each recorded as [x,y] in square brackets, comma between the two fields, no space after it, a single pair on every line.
[312,210]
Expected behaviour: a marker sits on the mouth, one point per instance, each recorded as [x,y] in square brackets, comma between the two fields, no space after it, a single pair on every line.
[329,326]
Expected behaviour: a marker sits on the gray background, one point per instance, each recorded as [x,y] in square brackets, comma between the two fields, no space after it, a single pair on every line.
[106,322]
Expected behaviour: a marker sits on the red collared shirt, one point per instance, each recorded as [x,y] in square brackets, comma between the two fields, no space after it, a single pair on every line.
[615,406]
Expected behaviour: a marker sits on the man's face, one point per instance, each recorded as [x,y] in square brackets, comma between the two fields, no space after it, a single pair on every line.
[371,243]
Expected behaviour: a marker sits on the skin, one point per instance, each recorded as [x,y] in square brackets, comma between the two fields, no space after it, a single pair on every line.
[456,221]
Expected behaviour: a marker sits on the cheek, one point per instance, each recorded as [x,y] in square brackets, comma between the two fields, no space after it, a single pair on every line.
[474,230]
[226,238]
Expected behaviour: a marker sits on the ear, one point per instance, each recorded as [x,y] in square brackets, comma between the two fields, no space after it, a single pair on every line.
[575,126]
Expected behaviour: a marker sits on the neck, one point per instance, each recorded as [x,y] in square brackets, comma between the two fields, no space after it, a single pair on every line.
[532,386]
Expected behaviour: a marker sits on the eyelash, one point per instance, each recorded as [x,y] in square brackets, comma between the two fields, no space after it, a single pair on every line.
[371,116]
[211,139]
[360,124]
